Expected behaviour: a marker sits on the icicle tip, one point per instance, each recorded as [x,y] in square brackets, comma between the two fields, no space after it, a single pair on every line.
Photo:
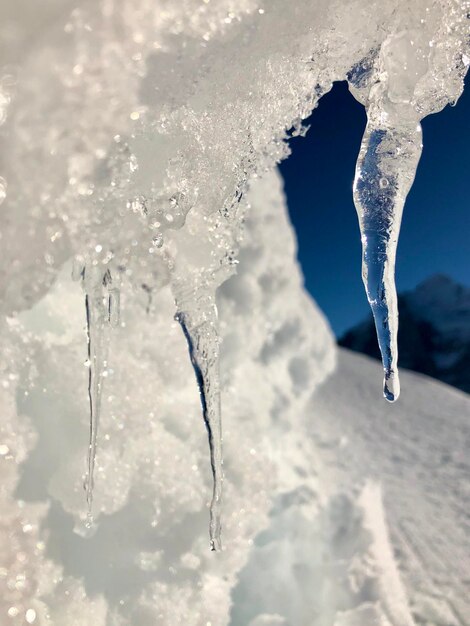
[391,386]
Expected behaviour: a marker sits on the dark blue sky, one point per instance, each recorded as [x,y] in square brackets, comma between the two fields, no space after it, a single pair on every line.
[435,234]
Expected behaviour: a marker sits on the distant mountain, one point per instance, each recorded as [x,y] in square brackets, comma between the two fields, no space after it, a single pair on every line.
[433,335]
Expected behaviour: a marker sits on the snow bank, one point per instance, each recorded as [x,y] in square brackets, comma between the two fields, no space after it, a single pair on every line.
[148,561]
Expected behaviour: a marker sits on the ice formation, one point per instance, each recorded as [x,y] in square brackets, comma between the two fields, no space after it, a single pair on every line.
[385,170]
[102,307]
[203,340]
[131,131]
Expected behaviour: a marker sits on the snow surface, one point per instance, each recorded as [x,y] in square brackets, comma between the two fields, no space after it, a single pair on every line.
[418,452]
[385,503]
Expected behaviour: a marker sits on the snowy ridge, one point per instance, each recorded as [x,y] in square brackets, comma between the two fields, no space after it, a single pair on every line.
[352,562]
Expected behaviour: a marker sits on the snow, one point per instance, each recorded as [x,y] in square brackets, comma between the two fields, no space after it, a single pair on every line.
[306,525]
[379,535]
[131,131]
[150,546]
[417,451]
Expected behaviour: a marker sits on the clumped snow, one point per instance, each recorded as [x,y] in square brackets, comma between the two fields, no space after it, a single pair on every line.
[130,132]
[150,548]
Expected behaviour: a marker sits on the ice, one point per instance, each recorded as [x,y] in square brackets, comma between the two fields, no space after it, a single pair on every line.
[202,337]
[385,171]
[391,81]
[102,306]
[3,189]
[141,140]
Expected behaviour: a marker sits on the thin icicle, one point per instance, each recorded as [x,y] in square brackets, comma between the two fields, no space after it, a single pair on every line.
[203,344]
[385,171]
[102,308]
[114,301]
[96,314]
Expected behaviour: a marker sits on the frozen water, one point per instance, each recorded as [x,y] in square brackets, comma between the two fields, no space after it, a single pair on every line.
[100,310]
[202,337]
[385,171]
[397,84]
[131,135]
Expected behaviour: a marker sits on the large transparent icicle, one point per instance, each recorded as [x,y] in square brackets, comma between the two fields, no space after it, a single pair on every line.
[200,328]
[102,308]
[385,171]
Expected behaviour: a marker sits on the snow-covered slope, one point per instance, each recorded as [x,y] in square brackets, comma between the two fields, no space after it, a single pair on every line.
[327,548]
[434,333]
[418,451]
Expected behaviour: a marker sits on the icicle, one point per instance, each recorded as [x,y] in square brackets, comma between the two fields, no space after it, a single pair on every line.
[200,329]
[102,308]
[385,171]
[148,291]
[95,317]
[114,301]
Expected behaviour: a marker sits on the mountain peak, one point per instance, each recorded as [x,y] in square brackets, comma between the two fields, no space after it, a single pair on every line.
[444,303]
[434,331]
[437,281]
[442,285]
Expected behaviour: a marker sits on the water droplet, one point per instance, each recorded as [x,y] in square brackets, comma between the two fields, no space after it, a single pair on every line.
[138,205]
[3,189]
[133,163]
[158,240]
